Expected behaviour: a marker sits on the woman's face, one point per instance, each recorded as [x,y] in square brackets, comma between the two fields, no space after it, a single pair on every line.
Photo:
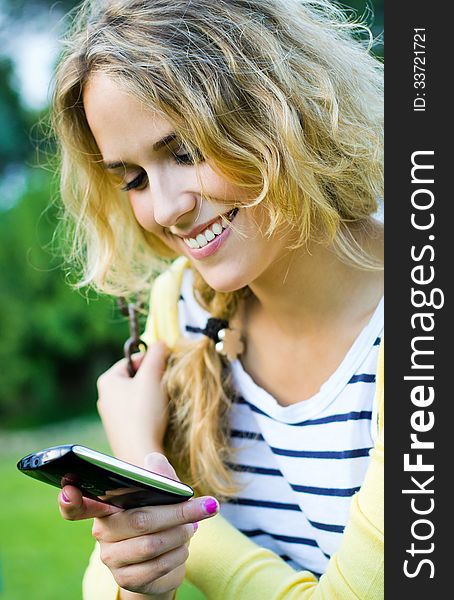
[165,190]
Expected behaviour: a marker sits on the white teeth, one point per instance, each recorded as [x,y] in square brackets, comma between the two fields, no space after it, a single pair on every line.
[208,235]
[201,240]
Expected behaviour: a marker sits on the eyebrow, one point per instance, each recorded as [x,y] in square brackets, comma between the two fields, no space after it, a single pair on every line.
[156,146]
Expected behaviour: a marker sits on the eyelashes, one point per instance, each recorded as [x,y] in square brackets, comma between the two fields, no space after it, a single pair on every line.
[137,183]
[186,158]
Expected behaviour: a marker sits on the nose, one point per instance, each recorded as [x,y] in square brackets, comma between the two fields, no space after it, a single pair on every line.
[170,199]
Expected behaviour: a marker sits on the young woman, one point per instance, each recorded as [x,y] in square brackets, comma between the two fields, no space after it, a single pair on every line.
[245,138]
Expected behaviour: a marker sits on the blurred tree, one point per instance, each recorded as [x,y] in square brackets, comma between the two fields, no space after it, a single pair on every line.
[14,121]
[54,344]
[20,9]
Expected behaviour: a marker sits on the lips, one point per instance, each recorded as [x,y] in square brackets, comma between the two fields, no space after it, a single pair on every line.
[201,237]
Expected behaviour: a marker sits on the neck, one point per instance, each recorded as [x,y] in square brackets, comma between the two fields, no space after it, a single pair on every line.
[309,289]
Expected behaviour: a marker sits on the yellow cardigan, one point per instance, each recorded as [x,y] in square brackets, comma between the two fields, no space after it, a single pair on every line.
[226,565]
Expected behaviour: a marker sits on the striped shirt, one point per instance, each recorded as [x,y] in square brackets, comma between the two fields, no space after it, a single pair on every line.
[298,466]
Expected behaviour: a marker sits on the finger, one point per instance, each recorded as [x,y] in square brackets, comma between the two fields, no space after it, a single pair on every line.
[141,577]
[143,548]
[118,370]
[154,361]
[151,519]
[119,367]
[169,582]
[75,507]
[158,463]
[137,359]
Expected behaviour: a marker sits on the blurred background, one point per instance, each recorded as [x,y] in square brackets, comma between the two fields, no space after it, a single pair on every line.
[55,341]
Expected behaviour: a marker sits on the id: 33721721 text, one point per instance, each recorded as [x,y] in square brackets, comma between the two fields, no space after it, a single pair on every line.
[419,69]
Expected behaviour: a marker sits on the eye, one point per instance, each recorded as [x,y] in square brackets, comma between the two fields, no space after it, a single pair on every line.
[183,157]
[138,182]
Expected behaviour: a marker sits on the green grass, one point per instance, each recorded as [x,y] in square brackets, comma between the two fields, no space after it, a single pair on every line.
[42,556]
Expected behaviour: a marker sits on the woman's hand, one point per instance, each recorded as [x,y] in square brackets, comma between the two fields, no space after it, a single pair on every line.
[144,548]
[134,410]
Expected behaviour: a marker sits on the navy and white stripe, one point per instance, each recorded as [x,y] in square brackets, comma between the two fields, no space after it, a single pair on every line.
[298,466]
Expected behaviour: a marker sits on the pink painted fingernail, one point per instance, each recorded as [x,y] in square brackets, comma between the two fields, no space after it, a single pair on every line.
[210,506]
[195,525]
[65,498]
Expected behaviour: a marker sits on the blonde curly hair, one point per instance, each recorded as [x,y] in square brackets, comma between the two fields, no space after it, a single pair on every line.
[283,96]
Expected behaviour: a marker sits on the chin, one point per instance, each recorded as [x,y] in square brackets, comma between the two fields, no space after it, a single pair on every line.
[228,281]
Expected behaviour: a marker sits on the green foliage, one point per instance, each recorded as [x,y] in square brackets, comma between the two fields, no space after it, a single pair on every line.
[54,341]
[14,122]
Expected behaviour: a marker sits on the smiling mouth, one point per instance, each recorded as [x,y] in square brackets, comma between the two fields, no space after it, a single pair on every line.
[212,231]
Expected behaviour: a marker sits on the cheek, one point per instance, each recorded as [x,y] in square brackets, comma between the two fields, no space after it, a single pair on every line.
[218,188]
[144,216]
[256,222]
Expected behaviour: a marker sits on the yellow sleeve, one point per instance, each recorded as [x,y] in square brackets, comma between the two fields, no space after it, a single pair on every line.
[98,582]
[162,323]
[226,565]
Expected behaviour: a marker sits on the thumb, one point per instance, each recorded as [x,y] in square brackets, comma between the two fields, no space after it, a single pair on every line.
[153,362]
[158,463]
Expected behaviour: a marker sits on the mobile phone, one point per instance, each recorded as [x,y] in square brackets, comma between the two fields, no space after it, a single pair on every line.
[103,477]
